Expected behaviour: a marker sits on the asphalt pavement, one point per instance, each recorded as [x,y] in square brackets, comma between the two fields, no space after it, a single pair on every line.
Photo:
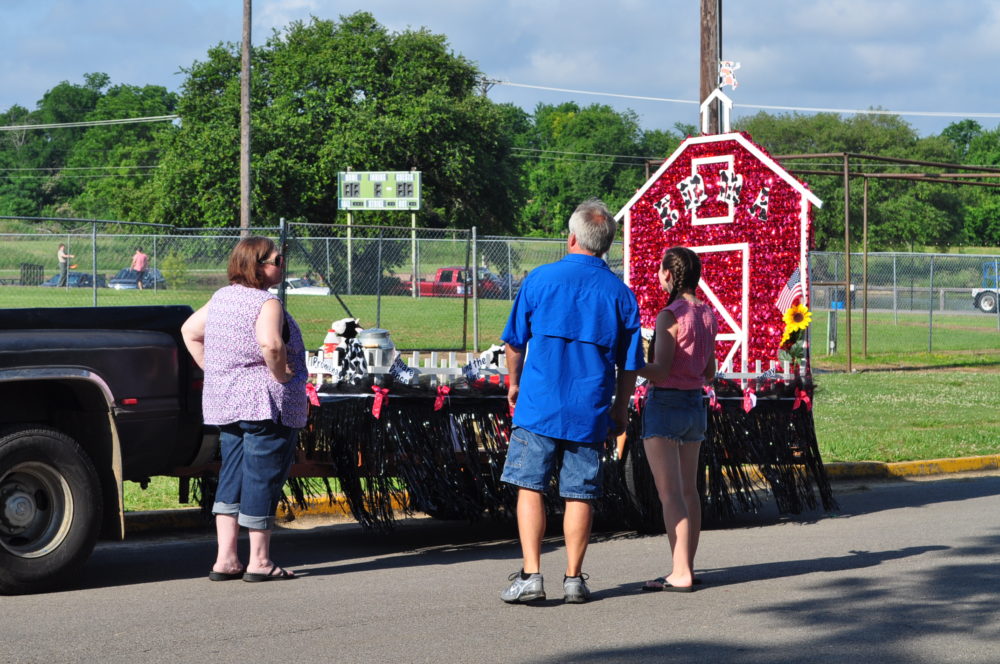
[905,572]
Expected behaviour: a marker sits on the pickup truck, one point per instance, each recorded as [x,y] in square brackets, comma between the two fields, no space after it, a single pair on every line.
[455,282]
[89,397]
[985,298]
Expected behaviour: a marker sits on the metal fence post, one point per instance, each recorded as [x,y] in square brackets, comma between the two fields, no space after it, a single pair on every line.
[895,308]
[326,241]
[349,259]
[413,253]
[930,308]
[475,292]
[154,264]
[93,256]
[996,288]
[283,248]
[510,274]
[378,284]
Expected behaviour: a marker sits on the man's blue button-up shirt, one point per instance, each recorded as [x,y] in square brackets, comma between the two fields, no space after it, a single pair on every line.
[578,321]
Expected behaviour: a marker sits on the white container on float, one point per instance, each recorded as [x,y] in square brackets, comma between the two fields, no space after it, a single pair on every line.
[330,342]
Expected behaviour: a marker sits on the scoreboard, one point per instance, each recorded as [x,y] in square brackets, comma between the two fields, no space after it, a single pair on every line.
[378,190]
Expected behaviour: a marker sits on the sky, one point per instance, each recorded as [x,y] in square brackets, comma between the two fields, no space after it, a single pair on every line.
[925,56]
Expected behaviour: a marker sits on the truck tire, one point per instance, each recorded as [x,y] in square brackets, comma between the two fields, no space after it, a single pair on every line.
[987,303]
[50,509]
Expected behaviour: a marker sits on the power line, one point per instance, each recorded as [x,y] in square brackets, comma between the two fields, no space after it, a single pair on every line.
[589,154]
[588,161]
[810,109]
[78,177]
[90,123]
[604,94]
[71,168]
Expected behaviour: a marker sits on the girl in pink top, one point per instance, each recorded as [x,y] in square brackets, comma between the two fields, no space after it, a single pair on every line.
[675,418]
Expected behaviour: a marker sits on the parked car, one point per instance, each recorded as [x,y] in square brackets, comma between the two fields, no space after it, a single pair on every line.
[502,286]
[127,279]
[78,280]
[300,286]
[454,282]
[985,298]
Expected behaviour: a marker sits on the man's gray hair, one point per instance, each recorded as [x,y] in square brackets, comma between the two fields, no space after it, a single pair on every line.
[594,226]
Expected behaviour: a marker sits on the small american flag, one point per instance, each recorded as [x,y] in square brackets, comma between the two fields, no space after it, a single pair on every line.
[791,291]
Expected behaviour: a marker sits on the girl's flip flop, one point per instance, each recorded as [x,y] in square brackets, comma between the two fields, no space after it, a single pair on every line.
[660,584]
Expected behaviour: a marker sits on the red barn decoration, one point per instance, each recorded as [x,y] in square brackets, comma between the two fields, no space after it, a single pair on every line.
[749,220]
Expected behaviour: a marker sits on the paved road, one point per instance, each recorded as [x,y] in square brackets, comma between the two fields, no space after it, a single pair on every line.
[906,572]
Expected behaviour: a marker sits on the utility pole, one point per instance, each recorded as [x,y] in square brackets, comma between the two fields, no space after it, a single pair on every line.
[485,84]
[245,121]
[711,54]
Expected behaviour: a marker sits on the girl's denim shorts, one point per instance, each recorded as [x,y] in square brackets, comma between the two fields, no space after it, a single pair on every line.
[679,415]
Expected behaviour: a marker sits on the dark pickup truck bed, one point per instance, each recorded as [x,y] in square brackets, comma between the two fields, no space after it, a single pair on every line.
[89,397]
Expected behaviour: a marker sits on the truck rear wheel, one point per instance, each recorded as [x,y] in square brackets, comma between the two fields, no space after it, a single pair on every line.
[987,302]
[50,509]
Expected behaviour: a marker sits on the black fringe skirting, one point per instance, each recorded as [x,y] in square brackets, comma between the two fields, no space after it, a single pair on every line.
[448,462]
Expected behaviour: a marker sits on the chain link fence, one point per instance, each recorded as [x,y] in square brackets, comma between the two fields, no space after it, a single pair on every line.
[418,284]
[905,302]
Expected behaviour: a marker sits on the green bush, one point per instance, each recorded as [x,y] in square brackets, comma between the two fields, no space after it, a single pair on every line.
[174,270]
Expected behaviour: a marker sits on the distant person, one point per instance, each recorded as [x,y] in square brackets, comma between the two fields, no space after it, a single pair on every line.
[571,325]
[675,417]
[255,392]
[139,263]
[63,264]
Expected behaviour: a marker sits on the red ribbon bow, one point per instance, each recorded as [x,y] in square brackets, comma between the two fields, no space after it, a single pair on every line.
[713,401]
[801,396]
[640,397]
[381,396]
[311,394]
[442,391]
[749,399]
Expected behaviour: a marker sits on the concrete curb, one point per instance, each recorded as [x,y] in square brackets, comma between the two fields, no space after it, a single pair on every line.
[193,517]
[878,469]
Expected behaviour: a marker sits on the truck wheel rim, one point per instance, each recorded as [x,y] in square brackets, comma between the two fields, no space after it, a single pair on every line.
[37,509]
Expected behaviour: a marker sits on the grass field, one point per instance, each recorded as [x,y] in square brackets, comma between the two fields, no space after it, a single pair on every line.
[969,340]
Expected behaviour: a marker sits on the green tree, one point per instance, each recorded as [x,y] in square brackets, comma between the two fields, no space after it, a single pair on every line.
[962,134]
[39,187]
[117,161]
[901,214]
[580,153]
[331,96]
[982,215]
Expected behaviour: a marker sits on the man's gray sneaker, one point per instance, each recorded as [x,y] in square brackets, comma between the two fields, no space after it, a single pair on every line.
[575,589]
[523,590]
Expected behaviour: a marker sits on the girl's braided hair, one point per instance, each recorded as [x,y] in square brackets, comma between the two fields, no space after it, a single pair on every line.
[685,267]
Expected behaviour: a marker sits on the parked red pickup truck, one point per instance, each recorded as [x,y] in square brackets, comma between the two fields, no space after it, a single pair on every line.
[455,282]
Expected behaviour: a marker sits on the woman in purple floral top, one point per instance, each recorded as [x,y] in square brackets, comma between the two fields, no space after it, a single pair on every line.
[255,376]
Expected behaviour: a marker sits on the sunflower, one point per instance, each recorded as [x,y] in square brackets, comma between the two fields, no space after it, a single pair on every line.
[797,317]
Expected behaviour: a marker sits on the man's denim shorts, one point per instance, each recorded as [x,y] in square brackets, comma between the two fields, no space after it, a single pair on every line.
[532,458]
[679,415]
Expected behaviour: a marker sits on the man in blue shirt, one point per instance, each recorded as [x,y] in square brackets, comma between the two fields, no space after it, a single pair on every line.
[572,323]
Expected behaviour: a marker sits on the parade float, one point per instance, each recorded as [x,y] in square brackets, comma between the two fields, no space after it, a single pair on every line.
[428,432]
